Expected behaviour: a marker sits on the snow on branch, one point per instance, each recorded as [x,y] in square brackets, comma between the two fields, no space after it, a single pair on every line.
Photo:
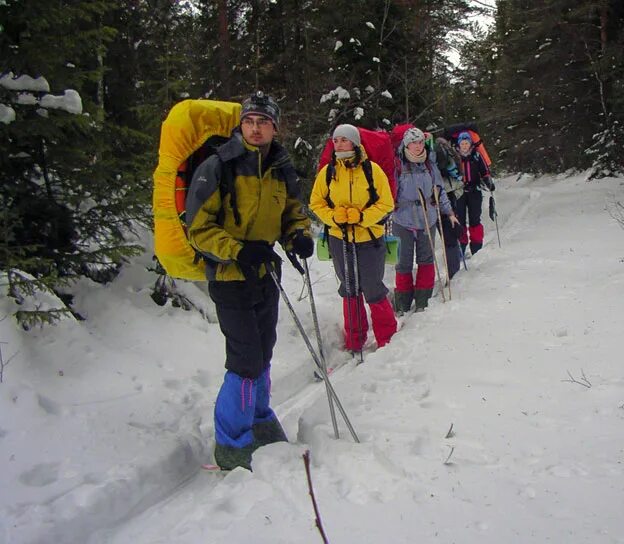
[69,101]
[24,83]
[7,114]
[31,91]
[337,94]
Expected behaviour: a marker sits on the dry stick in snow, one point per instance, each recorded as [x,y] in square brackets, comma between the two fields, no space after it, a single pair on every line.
[447,462]
[616,211]
[450,433]
[319,524]
[3,363]
[302,293]
[584,381]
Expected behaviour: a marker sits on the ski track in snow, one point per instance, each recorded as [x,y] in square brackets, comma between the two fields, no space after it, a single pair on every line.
[531,456]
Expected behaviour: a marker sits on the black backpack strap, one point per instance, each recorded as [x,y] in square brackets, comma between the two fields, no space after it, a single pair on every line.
[373,196]
[330,174]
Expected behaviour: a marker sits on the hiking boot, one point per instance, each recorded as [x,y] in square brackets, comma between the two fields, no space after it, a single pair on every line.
[475,246]
[421,299]
[403,301]
[268,432]
[228,458]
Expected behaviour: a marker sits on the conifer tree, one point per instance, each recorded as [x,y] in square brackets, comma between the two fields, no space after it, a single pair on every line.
[550,104]
[72,206]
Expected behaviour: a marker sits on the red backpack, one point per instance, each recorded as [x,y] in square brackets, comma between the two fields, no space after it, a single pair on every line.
[378,146]
[396,136]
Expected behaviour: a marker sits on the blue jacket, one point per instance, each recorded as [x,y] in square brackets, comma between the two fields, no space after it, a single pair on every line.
[413,176]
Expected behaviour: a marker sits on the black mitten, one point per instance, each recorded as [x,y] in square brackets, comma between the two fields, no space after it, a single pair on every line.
[254,253]
[302,245]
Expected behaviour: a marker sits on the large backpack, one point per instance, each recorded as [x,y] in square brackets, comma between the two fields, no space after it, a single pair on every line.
[378,147]
[445,154]
[451,133]
[191,132]
[396,136]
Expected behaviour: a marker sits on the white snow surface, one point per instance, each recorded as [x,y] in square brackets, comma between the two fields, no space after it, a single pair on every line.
[104,423]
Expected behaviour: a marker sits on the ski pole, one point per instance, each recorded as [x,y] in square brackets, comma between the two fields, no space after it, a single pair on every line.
[358,302]
[317,361]
[319,342]
[347,282]
[494,216]
[423,205]
[463,257]
[437,199]
[497,233]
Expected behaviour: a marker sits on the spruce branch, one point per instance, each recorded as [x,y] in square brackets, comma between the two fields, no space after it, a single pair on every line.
[318,522]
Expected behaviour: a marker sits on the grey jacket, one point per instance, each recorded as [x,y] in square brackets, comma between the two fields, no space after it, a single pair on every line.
[412,177]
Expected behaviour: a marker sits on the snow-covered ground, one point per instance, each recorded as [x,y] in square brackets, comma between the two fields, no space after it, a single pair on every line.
[104,423]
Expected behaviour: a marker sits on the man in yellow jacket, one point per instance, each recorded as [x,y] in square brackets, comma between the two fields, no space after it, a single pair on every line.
[241,201]
[354,213]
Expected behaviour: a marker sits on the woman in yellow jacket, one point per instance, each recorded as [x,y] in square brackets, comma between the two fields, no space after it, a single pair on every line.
[344,202]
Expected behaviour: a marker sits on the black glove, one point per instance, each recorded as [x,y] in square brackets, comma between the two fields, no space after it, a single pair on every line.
[254,253]
[489,184]
[302,245]
[458,230]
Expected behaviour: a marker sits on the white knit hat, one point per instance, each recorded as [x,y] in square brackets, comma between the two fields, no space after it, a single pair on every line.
[349,132]
[413,135]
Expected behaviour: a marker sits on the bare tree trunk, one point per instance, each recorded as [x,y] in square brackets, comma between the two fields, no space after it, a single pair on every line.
[406,80]
[255,24]
[604,12]
[224,49]
[382,38]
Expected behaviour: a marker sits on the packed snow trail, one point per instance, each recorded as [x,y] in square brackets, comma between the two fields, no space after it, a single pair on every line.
[533,456]
[403,400]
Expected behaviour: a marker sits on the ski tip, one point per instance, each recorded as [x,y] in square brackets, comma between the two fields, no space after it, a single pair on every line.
[210,467]
[319,378]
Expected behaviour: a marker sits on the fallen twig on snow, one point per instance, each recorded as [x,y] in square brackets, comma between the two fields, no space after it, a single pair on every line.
[302,294]
[448,459]
[583,380]
[450,433]
[3,363]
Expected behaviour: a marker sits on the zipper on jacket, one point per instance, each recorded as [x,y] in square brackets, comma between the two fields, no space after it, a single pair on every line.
[351,200]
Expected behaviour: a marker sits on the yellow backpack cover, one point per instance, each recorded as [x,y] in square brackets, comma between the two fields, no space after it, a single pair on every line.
[187,127]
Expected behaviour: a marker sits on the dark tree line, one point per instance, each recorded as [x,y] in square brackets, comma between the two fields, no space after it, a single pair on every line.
[547,85]
[544,84]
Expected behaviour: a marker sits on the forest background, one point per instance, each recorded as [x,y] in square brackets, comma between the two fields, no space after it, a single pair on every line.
[544,82]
